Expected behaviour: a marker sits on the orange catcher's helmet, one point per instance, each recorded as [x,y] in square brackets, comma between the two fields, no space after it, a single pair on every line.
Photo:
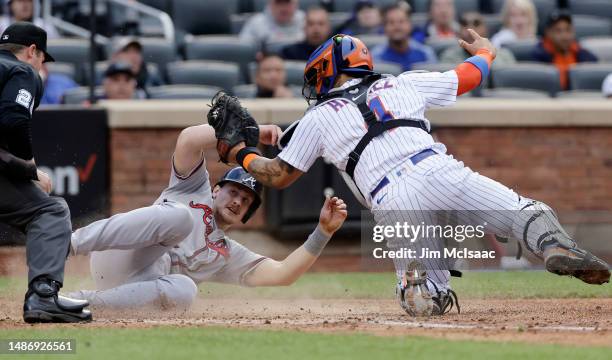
[340,54]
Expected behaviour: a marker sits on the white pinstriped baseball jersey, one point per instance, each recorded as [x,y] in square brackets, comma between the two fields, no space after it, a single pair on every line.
[333,128]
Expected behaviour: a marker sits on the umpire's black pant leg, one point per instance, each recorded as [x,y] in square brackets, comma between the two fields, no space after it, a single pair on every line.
[46,222]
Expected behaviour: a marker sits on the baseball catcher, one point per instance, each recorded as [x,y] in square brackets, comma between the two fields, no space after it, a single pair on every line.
[155,256]
[373,128]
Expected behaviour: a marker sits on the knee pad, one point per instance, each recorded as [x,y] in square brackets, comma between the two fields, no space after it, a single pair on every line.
[177,291]
[536,226]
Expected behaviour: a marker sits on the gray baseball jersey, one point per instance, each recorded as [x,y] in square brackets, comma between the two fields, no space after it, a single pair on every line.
[207,254]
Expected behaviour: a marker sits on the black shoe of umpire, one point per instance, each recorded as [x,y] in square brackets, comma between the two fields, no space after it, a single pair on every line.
[43,304]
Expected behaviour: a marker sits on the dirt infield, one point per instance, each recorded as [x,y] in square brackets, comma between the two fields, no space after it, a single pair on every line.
[581,322]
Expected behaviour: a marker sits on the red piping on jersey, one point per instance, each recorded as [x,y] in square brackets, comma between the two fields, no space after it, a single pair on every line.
[468,75]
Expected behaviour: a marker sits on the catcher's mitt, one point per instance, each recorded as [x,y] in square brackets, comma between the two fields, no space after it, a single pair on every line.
[232,123]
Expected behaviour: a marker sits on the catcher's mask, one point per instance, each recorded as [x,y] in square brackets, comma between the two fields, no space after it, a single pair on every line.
[238,176]
[340,54]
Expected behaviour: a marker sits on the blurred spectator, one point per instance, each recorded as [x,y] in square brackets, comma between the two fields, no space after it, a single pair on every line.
[559,46]
[606,87]
[281,21]
[24,10]
[317,30]
[520,22]
[119,82]
[55,86]
[129,51]
[270,77]
[475,21]
[399,49]
[366,20]
[441,24]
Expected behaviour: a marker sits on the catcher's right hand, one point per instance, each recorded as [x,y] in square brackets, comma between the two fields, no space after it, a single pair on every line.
[232,123]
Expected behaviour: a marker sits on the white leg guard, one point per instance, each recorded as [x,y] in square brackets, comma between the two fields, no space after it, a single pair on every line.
[174,291]
[536,226]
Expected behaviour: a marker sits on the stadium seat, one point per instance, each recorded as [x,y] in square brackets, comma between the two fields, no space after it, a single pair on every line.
[182,92]
[420,6]
[344,5]
[601,47]
[63,68]
[199,17]
[294,70]
[494,23]
[387,68]
[77,96]
[441,44]
[586,26]
[588,76]
[522,49]
[419,20]
[159,51]
[601,8]
[245,91]
[221,48]
[532,76]
[198,72]
[580,94]
[238,20]
[276,47]
[338,18]
[74,51]
[510,93]
[371,41]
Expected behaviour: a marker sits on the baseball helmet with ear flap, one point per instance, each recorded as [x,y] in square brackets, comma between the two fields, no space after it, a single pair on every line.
[240,177]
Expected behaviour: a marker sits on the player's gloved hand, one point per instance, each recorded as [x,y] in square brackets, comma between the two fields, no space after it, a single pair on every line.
[479,43]
[332,215]
[232,123]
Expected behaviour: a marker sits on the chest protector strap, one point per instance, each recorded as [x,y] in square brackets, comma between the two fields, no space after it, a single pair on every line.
[375,128]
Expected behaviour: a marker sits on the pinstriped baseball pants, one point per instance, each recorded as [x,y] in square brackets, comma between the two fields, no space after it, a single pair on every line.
[441,183]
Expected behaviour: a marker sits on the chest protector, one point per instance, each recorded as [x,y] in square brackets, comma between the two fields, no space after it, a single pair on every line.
[357,94]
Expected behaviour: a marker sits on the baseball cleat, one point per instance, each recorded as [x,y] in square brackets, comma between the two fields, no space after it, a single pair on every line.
[578,263]
[412,292]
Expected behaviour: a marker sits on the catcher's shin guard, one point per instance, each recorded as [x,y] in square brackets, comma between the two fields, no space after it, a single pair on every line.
[539,230]
[412,292]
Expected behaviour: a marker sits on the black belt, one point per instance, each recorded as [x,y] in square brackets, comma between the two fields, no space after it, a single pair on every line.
[415,159]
